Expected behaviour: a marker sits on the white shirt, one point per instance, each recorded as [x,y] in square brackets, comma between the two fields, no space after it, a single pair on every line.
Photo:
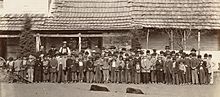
[80,63]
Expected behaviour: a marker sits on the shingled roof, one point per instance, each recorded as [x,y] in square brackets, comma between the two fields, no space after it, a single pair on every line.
[190,14]
[122,14]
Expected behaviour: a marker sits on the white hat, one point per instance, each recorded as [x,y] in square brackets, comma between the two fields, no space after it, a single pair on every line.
[64,42]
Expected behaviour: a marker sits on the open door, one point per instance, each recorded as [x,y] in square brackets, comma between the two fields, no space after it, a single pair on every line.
[3,48]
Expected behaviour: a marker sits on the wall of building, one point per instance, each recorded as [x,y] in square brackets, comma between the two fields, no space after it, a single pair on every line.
[12,47]
[158,40]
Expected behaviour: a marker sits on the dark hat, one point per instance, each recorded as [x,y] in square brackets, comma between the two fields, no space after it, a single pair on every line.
[86,53]
[148,51]
[180,51]
[210,55]
[161,52]
[193,50]
[154,54]
[167,47]
[126,54]
[123,49]
[173,52]
[199,56]
[205,55]
[186,55]
[154,50]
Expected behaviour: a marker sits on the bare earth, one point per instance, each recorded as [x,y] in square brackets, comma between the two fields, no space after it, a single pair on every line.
[116,90]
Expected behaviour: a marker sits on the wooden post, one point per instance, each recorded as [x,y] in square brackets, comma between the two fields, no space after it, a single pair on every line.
[148,33]
[171,39]
[80,42]
[184,40]
[37,42]
[199,42]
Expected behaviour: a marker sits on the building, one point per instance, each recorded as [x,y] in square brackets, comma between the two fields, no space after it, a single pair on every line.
[87,23]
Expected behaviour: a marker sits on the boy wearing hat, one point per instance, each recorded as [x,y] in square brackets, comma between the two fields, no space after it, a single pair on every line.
[194,66]
[153,68]
[53,69]
[159,69]
[89,70]
[187,62]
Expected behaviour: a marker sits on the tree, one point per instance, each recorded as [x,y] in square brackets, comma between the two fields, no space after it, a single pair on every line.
[27,41]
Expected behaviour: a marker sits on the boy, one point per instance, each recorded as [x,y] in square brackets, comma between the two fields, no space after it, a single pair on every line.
[168,73]
[121,69]
[188,69]
[30,68]
[38,68]
[69,62]
[81,70]
[159,70]
[53,69]
[194,66]
[105,69]
[74,68]
[114,65]
[153,69]
[137,73]
[23,67]
[128,65]
[10,64]
[89,70]
[97,69]
[46,69]
[182,70]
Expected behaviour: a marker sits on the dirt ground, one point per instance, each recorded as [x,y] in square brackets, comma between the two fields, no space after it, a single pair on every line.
[116,90]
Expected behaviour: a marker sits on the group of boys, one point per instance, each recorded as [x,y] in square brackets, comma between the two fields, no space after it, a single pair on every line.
[115,66]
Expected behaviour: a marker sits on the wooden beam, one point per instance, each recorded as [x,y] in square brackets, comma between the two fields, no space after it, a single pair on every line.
[69,35]
[9,36]
[199,40]
[37,42]
[148,33]
[82,35]
[172,40]
[80,42]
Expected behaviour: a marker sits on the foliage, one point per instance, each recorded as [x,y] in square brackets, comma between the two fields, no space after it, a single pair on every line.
[27,41]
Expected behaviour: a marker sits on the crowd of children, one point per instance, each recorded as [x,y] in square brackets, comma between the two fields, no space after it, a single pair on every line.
[114,66]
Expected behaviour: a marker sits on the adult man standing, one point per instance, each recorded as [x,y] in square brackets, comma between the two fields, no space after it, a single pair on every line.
[65,50]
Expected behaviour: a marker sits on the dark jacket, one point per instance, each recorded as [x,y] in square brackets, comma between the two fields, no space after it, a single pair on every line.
[159,65]
[69,62]
[89,65]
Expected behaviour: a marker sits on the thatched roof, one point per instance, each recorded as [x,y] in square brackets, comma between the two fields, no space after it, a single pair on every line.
[123,14]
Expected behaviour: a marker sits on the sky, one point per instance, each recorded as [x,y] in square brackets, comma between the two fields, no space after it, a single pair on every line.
[24,6]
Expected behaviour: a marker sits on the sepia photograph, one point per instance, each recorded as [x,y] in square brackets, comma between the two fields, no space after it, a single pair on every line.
[109,48]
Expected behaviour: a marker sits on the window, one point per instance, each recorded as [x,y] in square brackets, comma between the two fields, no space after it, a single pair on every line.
[1,3]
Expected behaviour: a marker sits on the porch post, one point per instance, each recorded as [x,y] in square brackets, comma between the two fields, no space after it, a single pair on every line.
[199,42]
[171,39]
[148,33]
[80,42]
[37,42]
[184,40]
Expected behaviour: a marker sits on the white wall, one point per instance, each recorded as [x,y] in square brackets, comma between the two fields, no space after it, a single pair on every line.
[26,6]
